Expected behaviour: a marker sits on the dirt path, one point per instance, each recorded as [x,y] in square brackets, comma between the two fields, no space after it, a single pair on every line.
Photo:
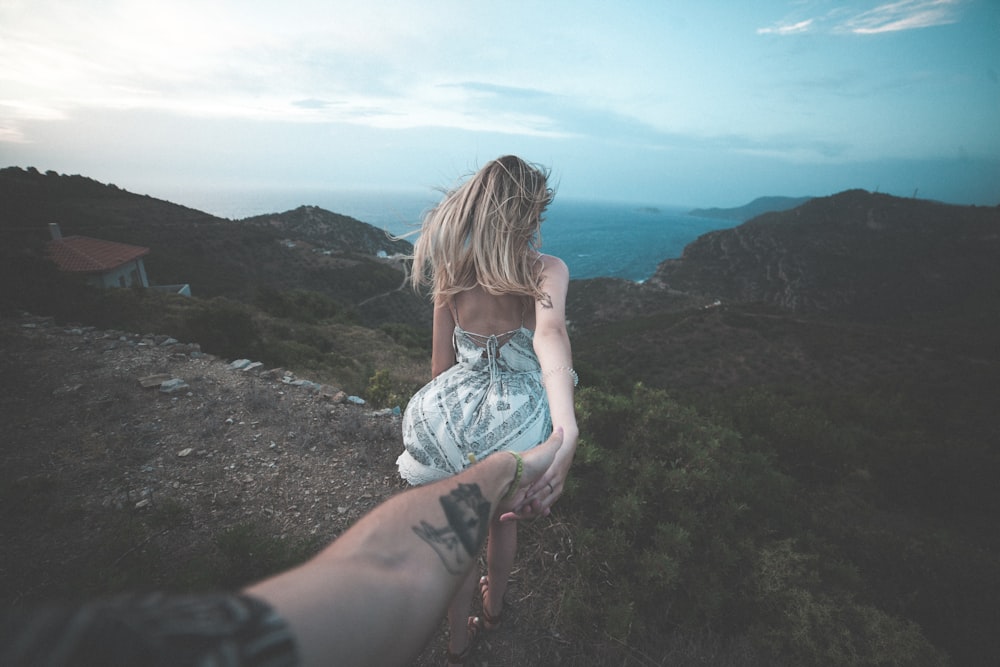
[85,443]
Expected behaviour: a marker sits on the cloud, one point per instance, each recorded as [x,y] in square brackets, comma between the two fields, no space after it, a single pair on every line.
[311,104]
[903,15]
[378,67]
[885,18]
[498,90]
[787,29]
[12,135]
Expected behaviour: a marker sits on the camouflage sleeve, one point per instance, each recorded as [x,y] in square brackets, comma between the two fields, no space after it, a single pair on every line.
[224,629]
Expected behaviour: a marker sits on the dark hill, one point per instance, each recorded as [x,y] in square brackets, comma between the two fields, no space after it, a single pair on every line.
[843,291]
[305,249]
[856,254]
[757,207]
[330,232]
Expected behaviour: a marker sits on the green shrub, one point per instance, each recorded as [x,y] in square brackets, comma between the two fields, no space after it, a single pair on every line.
[222,327]
[669,500]
[808,443]
[411,337]
[386,392]
[299,305]
[685,522]
[289,354]
[802,618]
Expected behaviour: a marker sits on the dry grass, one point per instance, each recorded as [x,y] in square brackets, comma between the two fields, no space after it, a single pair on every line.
[97,499]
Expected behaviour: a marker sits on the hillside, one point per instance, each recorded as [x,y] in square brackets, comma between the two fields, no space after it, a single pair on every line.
[111,482]
[855,254]
[308,248]
[746,212]
[788,434]
[840,292]
[330,233]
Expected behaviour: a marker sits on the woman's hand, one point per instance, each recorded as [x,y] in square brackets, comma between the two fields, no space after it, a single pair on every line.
[546,487]
[537,461]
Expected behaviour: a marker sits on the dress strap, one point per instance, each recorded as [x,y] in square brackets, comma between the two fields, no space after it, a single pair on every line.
[454,311]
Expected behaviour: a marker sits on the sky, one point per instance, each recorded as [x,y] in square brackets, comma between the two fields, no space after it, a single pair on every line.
[699,102]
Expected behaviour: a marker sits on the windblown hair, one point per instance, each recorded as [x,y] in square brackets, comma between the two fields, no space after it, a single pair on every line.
[486,232]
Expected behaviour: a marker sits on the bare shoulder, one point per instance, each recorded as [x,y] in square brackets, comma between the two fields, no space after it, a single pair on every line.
[554,267]
[554,283]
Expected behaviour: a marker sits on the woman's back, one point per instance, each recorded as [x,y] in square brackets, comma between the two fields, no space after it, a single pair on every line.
[479,312]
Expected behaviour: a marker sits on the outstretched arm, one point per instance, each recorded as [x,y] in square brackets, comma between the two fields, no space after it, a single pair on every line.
[555,357]
[376,594]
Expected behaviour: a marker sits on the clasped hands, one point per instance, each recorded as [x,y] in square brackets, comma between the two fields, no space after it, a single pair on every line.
[535,495]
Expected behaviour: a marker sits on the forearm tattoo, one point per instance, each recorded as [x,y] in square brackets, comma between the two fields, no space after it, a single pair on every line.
[468,516]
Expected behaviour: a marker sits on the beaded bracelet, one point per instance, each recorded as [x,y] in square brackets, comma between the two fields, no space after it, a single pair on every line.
[517,476]
[573,374]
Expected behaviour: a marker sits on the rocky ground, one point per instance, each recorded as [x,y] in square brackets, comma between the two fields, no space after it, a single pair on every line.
[99,425]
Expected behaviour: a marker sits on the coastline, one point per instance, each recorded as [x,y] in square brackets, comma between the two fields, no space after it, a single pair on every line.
[626,240]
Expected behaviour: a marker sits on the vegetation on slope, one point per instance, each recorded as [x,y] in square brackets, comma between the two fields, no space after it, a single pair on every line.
[802,487]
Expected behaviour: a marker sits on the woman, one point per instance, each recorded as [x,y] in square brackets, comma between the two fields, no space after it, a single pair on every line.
[501,362]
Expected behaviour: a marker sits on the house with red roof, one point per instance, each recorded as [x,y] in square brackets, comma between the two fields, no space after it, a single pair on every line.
[104,263]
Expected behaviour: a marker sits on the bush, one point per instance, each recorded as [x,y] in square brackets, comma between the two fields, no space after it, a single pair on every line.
[385,392]
[672,505]
[685,522]
[299,305]
[290,354]
[814,624]
[222,327]
[409,336]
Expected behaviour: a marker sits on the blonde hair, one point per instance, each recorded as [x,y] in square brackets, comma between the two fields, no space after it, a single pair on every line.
[486,232]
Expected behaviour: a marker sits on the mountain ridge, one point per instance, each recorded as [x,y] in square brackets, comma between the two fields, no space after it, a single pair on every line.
[856,253]
[756,207]
[305,248]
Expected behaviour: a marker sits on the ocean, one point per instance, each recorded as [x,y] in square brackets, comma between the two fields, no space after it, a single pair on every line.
[613,239]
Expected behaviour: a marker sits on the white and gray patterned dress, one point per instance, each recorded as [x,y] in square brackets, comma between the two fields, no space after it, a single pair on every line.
[491,400]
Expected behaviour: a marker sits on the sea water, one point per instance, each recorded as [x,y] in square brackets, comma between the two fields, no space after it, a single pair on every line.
[614,239]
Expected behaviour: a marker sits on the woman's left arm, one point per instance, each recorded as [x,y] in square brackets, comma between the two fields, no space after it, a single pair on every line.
[555,356]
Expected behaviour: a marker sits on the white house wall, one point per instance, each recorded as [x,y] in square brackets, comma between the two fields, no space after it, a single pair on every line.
[127,275]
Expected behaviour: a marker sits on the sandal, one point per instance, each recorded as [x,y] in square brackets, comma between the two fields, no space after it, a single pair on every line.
[472,628]
[490,622]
